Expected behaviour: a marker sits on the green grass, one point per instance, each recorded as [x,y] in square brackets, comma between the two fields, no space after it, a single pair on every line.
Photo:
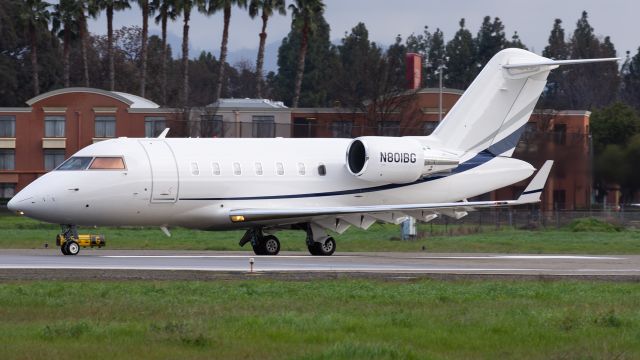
[21,232]
[339,319]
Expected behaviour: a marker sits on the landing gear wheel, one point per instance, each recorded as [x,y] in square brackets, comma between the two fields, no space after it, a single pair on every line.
[72,247]
[267,245]
[63,249]
[271,245]
[326,248]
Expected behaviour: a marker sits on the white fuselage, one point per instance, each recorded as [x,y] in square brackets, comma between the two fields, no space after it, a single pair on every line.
[195,182]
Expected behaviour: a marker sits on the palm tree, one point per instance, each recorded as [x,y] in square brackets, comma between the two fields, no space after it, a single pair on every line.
[87,8]
[35,15]
[65,23]
[167,10]
[303,13]
[211,7]
[144,5]
[267,7]
[184,7]
[110,6]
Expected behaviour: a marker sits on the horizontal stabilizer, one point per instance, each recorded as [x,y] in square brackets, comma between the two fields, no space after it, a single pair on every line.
[549,62]
[535,187]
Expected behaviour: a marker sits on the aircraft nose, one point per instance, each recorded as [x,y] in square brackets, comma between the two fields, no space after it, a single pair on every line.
[21,203]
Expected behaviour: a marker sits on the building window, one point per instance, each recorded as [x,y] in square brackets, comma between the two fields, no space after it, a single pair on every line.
[154,125]
[7,190]
[429,126]
[105,127]
[54,126]
[264,126]
[7,159]
[7,126]
[53,158]
[211,126]
[389,128]
[560,134]
[559,199]
[342,129]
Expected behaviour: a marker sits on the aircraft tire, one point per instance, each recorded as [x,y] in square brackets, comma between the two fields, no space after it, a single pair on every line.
[72,247]
[270,245]
[326,248]
[63,249]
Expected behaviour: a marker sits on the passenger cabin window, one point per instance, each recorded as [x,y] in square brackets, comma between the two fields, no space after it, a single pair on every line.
[107,163]
[301,169]
[258,168]
[279,168]
[322,170]
[76,163]
[237,170]
[195,171]
[215,168]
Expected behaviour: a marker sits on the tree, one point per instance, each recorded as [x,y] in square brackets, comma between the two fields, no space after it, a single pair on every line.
[184,7]
[591,85]
[616,143]
[211,7]
[303,13]
[436,55]
[87,9]
[267,7]
[167,10]
[319,67]
[516,42]
[553,97]
[144,6]
[491,39]
[66,23]
[35,16]
[110,6]
[462,66]
[630,90]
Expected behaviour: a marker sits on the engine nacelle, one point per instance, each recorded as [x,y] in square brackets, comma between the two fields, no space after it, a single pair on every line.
[396,160]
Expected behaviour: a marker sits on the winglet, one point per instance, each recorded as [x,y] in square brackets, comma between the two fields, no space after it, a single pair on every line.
[532,193]
[164,133]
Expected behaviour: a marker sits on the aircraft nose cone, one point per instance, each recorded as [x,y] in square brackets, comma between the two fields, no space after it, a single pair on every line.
[21,203]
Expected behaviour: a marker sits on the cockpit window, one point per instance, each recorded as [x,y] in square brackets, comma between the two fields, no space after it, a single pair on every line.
[107,163]
[75,163]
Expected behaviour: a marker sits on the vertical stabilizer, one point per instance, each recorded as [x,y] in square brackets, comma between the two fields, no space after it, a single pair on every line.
[493,111]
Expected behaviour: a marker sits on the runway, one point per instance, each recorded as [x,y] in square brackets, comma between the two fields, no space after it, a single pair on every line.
[111,261]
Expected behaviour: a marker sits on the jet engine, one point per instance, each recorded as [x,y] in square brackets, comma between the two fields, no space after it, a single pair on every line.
[396,160]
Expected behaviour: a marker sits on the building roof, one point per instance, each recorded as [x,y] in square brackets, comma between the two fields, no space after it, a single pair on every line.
[134,101]
[247,103]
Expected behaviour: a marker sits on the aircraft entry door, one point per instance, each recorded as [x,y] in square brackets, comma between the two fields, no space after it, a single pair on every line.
[164,171]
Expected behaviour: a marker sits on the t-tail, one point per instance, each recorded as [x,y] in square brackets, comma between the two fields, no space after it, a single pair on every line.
[492,113]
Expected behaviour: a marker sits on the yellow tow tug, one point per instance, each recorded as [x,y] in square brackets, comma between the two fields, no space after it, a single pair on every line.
[70,245]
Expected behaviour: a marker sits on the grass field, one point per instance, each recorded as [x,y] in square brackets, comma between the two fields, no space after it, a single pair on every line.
[21,232]
[339,319]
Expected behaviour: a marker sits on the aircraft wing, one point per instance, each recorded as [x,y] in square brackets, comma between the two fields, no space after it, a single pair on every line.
[340,218]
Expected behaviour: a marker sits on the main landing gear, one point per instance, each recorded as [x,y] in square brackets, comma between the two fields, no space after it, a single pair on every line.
[262,244]
[318,242]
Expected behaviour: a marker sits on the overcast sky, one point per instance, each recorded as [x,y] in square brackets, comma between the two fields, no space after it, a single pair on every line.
[385,19]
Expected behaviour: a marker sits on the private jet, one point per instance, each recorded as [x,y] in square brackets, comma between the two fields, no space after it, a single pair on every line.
[319,186]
